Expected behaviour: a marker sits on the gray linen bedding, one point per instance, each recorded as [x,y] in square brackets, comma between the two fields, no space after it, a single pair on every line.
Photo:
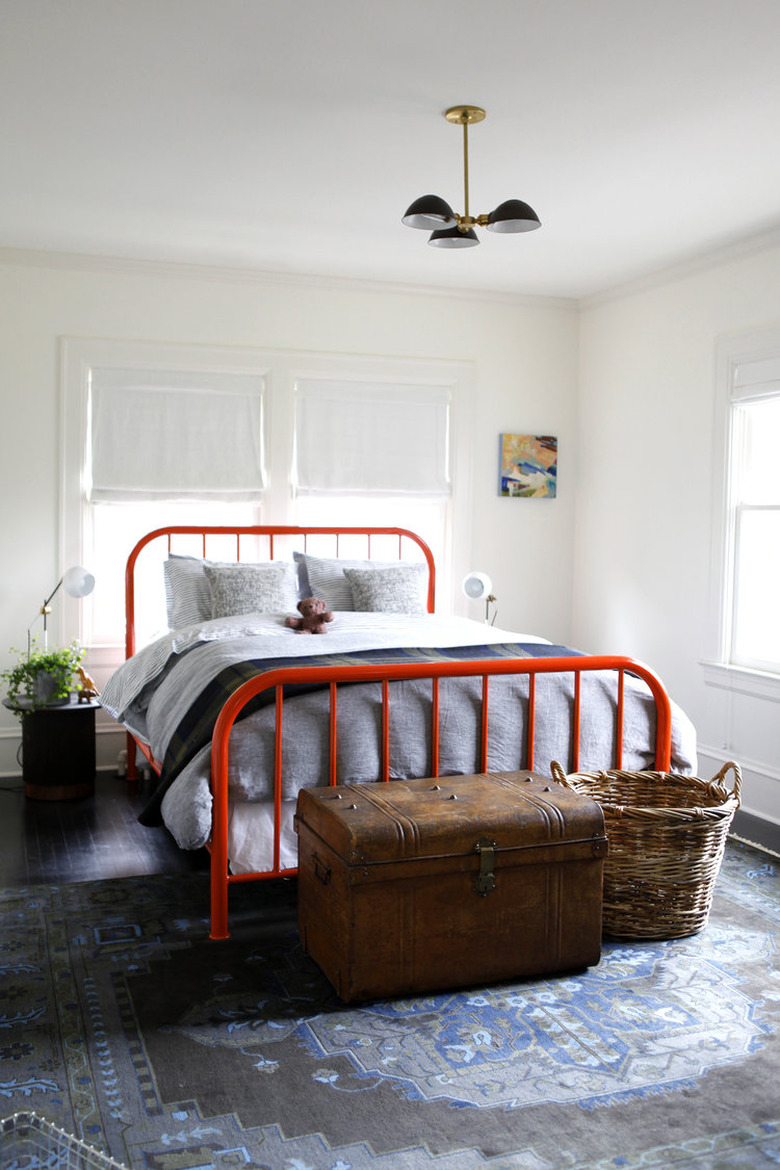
[152,693]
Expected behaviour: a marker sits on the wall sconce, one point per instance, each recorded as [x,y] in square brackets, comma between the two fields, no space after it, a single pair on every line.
[77,582]
[479,587]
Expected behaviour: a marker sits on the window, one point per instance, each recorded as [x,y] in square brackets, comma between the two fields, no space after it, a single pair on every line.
[747,535]
[158,434]
[755,614]
[375,454]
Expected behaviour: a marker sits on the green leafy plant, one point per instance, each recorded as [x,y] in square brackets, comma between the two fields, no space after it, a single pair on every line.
[27,685]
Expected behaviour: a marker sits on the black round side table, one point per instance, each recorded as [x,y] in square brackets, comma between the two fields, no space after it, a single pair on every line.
[58,749]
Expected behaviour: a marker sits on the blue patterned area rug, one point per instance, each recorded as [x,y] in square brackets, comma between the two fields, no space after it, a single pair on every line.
[123,1024]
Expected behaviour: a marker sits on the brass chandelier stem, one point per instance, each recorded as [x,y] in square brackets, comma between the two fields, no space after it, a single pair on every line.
[464,116]
[466,169]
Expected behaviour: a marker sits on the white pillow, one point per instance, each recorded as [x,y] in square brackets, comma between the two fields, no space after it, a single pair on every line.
[323,577]
[237,589]
[401,589]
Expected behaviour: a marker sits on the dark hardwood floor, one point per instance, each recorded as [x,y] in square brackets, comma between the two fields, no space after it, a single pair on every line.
[100,837]
[84,840]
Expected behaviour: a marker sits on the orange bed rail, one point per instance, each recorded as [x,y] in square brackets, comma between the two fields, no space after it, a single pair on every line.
[271,534]
[221,878]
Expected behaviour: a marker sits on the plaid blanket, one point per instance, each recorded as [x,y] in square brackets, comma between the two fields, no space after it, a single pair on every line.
[195,729]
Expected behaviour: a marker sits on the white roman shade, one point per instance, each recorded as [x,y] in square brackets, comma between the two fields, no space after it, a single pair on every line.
[371,438]
[175,435]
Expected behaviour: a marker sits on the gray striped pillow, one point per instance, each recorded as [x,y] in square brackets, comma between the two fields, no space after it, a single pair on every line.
[327,581]
[187,593]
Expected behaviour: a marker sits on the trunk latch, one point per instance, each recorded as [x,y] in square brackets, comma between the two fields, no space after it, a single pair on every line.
[485,880]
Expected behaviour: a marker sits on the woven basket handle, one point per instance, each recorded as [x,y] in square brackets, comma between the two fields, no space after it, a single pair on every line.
[719,782]
[559,776]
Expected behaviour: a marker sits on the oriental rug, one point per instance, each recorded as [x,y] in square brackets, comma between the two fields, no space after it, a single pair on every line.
[123,1024]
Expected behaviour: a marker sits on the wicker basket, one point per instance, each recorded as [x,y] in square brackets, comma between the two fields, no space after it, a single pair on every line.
[666,835]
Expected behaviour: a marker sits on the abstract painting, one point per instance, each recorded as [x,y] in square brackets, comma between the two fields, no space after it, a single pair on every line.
[528,466]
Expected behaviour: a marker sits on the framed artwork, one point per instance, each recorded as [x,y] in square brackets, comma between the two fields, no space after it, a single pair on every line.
[528,466]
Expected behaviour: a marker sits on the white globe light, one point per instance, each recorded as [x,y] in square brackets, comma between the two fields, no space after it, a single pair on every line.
[78,582]
[477,586]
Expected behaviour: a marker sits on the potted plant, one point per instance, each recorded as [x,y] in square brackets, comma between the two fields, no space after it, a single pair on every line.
[42,678]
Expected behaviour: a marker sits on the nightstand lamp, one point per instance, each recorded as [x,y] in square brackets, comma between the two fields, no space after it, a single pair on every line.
[479,587]
[77,582]
[58,740]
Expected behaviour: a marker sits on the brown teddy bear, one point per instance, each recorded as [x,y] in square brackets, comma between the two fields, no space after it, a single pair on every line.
[315,615]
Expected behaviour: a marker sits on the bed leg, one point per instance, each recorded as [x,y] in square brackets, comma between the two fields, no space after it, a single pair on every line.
[219,905]
[132,767]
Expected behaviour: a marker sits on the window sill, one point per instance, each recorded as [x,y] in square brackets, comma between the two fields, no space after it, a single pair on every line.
[739,679]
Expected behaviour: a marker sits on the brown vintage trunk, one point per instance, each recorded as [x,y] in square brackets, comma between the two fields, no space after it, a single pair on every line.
[420,885]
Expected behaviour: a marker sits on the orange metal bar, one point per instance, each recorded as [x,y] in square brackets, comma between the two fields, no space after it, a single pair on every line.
[531,723]
[385,729]
[278,731]
[434,727]
[575,730]
[483,741]
[619,736]
[219,843]
[132,766]
[333,750]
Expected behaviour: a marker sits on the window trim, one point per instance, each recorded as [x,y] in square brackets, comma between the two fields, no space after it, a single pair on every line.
[759,684]
[747,368]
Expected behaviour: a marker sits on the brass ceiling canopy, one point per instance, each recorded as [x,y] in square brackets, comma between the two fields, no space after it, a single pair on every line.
[448,228]
[464,115]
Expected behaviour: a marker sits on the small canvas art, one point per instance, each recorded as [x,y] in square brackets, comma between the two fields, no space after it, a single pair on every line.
[529,466]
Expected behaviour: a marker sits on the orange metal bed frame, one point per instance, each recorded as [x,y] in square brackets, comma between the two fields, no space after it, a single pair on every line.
[276,680]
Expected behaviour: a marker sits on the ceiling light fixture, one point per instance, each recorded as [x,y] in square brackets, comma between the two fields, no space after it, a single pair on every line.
[450,230]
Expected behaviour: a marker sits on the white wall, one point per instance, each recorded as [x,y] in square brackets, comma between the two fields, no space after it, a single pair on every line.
[647,450]
[636,446]
[526,363]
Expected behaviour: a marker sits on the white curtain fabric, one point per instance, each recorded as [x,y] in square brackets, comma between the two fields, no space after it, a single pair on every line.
[371,439]
[168,435]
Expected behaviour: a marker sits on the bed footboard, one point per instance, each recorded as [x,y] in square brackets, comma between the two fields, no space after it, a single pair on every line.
[275,680]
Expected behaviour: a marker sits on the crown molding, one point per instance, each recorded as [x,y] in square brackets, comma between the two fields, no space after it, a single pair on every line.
[178,270]
[692,266]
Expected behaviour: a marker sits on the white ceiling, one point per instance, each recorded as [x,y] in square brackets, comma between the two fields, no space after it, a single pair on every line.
[290,136]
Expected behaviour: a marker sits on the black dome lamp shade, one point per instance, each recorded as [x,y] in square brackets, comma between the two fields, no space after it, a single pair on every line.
[430,213]
[513,216]
[451,230]
[454,237]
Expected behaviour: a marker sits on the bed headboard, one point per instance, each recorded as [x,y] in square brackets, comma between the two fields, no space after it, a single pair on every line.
[278,541]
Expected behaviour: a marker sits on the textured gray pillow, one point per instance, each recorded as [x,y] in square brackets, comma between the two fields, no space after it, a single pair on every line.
[323,577]
[397,590]
[237,589]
